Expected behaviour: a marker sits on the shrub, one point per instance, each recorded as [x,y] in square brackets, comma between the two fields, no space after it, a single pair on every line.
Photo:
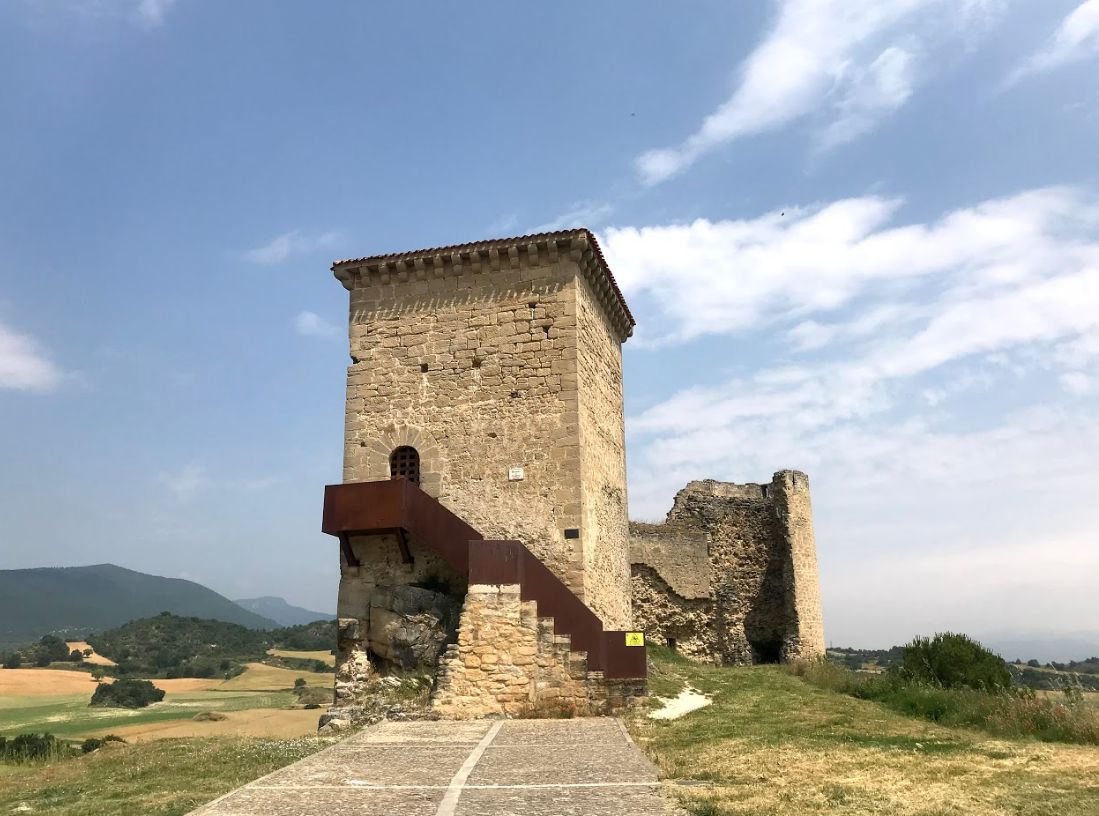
[29,747]
[953,661]
[127,694]
[95,743]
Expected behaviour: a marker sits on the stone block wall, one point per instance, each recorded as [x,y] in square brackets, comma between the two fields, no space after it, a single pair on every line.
[509,662]
[731,576]
[494,359]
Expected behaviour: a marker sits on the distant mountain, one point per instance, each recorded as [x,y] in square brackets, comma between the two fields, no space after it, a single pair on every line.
[79,600]
[1060,647]
[283,613]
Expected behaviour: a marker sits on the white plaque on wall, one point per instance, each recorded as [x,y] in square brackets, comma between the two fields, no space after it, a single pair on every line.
[515,474]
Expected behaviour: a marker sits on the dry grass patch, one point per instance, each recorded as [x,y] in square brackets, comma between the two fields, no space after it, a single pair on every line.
[770,744]
[256,722]
[260,677]
[325,657]
[44,682]
[93,658]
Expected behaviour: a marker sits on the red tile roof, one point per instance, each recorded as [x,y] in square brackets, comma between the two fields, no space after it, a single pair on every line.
[496,243]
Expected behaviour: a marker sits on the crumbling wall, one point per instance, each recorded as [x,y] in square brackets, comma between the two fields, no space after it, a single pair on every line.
[731,576]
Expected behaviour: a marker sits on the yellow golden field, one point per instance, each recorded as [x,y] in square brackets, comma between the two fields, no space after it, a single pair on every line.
[93,658]
[325,657]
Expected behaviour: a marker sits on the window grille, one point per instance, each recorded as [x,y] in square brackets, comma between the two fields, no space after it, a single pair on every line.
[404,463]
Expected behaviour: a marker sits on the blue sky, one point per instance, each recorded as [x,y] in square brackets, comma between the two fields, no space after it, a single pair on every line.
[861,239]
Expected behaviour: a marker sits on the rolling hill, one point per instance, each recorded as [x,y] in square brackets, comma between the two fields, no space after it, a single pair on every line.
[283,613]
[74,601]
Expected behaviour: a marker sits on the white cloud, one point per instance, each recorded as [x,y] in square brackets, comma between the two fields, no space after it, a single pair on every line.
[1076,39]
[936,380]
[871,93]
[818,50]
[728,276]
[23,365]
[312,324]
[295,242]
[1079,383]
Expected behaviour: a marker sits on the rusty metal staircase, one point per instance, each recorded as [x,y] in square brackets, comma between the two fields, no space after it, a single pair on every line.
[401,508]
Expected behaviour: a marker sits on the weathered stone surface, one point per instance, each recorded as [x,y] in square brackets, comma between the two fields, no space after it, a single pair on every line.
[751,546]
[487,361]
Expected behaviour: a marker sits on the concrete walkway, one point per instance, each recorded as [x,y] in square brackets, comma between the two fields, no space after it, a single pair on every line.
[581,767]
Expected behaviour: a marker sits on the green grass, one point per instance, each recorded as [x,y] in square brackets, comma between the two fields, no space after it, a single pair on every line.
[771,743]
[71,716]
[162,778]
[1007,713]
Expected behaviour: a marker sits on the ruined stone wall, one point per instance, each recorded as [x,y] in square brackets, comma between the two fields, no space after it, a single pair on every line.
[731,575]
[805,634]
[604,533]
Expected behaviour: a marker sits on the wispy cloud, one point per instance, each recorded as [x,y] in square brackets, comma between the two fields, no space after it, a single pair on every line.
[721,277]
[186,482]
[153,12]
[950,364]
[149,13]
[283,247]
[580,214]
[839,54]
[23,364]
[311,324]
[193,479]
[1076,39]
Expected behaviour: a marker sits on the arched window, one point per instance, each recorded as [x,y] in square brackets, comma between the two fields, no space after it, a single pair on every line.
[404,463]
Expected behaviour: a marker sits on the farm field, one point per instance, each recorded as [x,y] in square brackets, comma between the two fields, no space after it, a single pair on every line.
[256,703]
[93,658]
[324,656]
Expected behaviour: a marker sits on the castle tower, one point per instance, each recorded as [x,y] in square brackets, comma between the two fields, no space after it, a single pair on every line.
[490,374]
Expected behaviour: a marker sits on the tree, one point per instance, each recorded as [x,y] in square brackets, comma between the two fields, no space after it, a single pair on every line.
[127,694]
[1034,664]
[54,648]
[13,661]
[953,660]
[299,683]
[41,660]
[76,656]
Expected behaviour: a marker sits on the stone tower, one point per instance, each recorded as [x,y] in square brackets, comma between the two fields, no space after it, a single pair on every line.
[491,373]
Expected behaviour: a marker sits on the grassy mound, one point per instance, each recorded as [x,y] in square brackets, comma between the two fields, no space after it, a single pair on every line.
[772,743]
[163,778]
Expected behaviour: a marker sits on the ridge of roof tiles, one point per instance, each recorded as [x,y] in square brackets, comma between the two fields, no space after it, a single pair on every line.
[499,242]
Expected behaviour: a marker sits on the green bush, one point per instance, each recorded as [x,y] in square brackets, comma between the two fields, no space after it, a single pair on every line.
[32,747]
[95,743]
[953,661]
[127,693]
[1015,712]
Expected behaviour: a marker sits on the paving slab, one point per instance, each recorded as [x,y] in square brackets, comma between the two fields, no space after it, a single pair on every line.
[505,767]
